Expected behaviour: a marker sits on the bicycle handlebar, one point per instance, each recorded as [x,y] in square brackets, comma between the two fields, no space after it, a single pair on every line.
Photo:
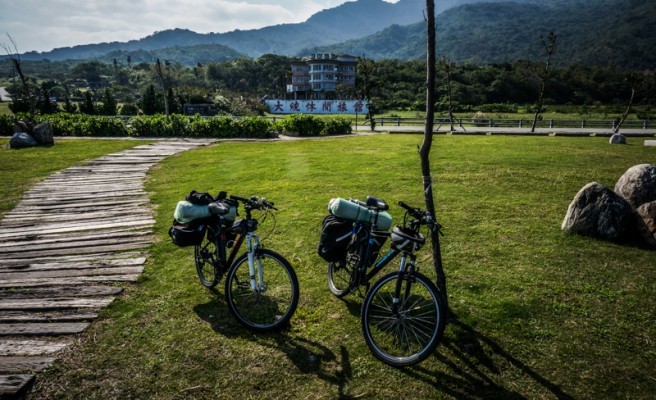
[255,202]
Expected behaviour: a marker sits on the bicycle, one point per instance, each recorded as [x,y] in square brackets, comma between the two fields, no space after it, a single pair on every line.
[402,315]
[261,287]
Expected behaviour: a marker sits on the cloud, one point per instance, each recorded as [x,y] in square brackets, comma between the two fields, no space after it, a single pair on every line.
[44,25]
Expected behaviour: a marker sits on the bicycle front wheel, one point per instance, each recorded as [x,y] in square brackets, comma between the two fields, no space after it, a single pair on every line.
[206,257]
[411,334]
[271,305]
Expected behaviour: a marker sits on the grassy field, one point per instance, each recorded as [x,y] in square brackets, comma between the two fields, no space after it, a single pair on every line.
[539,314]
[21,169]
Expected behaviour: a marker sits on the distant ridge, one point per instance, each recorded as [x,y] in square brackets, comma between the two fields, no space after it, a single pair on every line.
[592,32]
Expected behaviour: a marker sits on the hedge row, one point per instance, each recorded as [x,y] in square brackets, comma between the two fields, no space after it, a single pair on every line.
[176,125]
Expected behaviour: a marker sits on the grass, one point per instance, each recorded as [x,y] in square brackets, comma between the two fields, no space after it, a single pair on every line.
[21,169]
[4,108]
[540,314]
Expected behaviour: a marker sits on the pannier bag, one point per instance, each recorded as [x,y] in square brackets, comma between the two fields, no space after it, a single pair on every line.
[352,211]
[184,235]
[335,237]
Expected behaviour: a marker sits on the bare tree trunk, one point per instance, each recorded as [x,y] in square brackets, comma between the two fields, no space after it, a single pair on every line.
[424,150]
[14,56]
[549,46]
[447,69]
[627,111]
[160,74]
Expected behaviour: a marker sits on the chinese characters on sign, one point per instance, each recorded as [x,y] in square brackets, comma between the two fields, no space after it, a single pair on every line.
[317,106]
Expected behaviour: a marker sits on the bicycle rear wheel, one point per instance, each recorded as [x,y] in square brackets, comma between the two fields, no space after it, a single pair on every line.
[206,257]
[273,305]
[410,335]
[340,277]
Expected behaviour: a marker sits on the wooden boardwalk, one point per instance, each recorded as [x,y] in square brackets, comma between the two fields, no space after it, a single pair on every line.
[62,248]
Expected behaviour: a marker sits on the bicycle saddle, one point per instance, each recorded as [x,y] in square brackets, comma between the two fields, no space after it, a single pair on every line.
[217,208]
[377,203]
[403,236]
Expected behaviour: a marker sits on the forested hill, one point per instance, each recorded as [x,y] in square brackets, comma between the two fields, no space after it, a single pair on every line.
[592,32]
[350,20]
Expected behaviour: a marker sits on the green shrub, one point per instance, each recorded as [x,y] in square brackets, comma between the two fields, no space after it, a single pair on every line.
[6,125]
[253,127]
[336,126]
[302,125]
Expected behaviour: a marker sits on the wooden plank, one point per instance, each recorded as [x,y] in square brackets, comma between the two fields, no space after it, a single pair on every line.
[42,329]
[68,315]
[37,240]
[70,273]
[30,219]
[88,205]
[143,223]
[92,257]
[77,250]
[58,292]
[61,225]
[73,264]
[15,386]
[9,347]
[22,364]
[52,304]
[35,248]
[79,280]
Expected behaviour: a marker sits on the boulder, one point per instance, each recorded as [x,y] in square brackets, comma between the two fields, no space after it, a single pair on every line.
[599,212]
[647,213]
[43,134]
[21,140]
[617,139]
[638,185]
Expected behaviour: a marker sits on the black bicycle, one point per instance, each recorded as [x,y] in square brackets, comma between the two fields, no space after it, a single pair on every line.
[261,287]
[403,316]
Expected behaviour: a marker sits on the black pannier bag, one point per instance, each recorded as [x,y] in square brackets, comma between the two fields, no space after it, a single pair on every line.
[190,234]
[335,238]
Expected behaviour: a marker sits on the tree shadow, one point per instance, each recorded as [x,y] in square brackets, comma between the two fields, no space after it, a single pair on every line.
[309,357]
[473,376]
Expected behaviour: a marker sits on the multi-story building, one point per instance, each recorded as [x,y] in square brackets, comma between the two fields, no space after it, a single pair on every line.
[323,76]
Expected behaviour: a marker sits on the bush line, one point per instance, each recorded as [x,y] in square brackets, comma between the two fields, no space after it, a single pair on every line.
[176,125]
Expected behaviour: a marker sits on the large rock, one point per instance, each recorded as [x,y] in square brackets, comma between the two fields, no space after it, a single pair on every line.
[647,212]
[599,212]
[617,139]
[21,140]
[638,185]
[43,134]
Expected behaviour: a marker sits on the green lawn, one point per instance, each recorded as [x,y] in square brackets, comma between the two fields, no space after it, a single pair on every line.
[540,314]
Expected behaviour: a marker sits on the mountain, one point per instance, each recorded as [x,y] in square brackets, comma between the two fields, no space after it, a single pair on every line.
[350,20]
[618,32]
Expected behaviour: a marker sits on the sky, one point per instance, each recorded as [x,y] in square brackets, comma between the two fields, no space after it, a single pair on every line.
[43,25]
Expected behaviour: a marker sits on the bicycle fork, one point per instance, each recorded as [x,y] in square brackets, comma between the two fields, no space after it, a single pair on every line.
[255,264]
[403,276]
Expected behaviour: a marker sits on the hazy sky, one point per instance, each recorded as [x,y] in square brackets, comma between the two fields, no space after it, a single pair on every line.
[43,25]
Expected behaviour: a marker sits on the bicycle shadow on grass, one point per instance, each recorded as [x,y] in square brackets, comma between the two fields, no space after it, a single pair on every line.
[473,368]
[309,357]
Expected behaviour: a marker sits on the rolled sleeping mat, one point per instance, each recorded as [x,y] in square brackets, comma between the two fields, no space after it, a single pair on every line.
[346,209]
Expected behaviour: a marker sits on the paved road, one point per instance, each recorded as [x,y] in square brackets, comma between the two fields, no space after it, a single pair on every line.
[4,95]
[651,132]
